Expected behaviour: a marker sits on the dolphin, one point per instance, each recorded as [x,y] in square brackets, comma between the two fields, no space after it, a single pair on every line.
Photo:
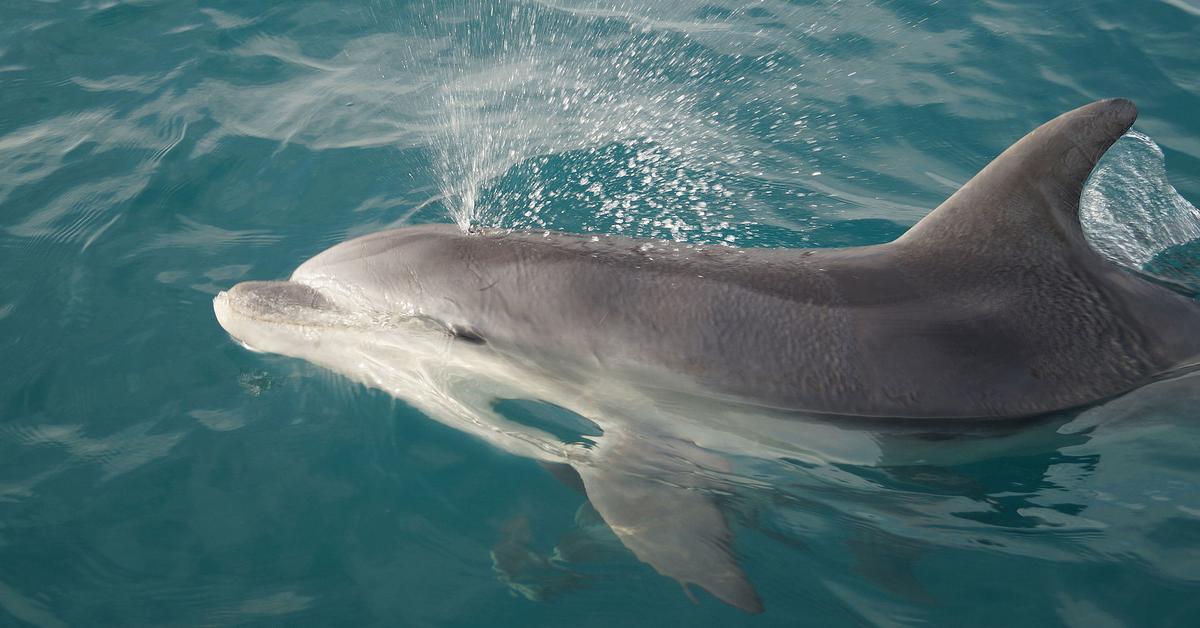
[992,307]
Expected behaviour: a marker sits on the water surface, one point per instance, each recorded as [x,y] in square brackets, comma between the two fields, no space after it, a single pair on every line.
[152,153]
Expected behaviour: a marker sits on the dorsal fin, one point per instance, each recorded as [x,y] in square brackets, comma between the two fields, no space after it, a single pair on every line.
[1031,191]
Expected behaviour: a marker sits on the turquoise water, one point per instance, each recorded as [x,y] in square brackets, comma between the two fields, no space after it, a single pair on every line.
[152,472]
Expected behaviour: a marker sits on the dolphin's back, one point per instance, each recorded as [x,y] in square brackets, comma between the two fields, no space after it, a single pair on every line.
[994,305]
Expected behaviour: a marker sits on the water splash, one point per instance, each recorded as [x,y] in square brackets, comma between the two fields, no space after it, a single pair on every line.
[622,132]
[1133,216]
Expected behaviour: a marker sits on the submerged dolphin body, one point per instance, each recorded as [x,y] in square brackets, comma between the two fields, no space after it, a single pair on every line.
[993,306]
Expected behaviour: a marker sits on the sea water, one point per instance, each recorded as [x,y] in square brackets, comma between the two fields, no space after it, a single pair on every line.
[153,153]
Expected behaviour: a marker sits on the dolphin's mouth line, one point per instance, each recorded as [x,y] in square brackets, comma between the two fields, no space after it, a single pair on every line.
[320,313]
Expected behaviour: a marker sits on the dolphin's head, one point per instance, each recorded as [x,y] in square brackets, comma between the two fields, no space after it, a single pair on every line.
[372,283]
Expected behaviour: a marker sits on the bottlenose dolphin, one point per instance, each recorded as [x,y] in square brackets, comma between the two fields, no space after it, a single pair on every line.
[992,307]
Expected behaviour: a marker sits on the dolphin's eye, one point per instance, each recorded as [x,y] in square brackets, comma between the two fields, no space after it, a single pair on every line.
[467,334]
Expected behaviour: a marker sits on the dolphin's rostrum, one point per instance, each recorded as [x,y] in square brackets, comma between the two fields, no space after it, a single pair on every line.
[993,306]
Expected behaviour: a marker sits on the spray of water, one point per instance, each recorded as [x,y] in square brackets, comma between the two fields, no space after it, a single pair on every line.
[1132,215]
[623,131]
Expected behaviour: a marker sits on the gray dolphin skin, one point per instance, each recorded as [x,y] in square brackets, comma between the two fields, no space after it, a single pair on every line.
[992,307]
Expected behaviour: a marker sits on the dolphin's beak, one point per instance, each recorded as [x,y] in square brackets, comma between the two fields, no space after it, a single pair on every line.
[254,312]
[275,301]
[226,317]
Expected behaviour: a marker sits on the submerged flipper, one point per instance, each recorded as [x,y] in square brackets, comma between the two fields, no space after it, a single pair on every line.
[1030,193]
[668,521]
